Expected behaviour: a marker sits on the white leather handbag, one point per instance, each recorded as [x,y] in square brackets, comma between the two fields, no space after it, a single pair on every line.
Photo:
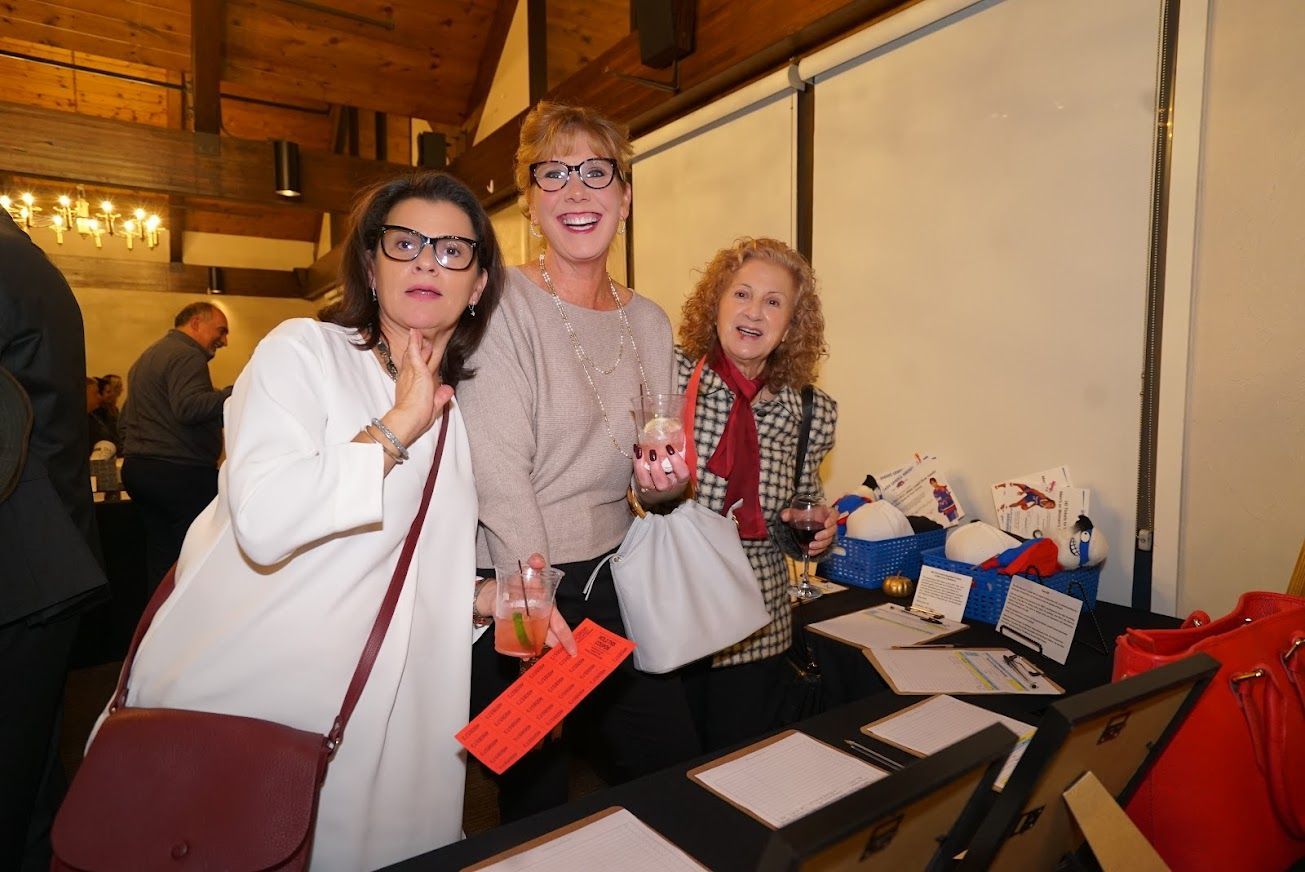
[685,587]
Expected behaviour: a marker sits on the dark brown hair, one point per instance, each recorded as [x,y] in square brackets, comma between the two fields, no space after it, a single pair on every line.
[358,310]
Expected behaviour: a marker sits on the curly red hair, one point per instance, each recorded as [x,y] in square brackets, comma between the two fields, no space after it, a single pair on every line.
[795,361]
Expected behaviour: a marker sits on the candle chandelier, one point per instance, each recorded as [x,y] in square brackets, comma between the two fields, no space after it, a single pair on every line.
[74,215]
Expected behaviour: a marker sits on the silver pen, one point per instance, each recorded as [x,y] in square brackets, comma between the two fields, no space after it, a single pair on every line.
[886,762]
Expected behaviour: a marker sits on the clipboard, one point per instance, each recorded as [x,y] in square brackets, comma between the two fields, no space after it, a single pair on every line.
[694,773]
[938,629]
[867,729]
[1044,685]
[558,833]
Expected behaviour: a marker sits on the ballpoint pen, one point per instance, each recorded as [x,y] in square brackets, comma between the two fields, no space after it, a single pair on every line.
[922,614]
[887,762]
[924,645]
[1013,660]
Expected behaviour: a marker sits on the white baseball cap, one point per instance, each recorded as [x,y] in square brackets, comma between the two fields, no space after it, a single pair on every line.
[878,520]
[976,541]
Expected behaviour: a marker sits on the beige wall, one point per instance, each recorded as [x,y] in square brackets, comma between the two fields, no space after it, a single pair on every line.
[1244,464]
[122,324]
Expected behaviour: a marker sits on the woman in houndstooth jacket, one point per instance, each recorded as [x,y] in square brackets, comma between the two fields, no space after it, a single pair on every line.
[755,326]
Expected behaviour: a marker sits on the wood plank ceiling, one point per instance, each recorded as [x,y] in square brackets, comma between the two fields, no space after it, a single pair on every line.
[303,70]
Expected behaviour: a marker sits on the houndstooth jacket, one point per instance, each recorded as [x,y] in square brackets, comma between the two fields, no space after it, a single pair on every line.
[778,422]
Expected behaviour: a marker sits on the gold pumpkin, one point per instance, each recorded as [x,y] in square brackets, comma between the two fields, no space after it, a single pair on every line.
[898,586]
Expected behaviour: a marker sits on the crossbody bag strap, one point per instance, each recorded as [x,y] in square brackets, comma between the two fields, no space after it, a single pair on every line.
[373,646]
[686,416]
[804,435]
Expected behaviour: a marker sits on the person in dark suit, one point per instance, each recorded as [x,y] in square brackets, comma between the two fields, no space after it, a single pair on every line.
[47,534]
[172,432]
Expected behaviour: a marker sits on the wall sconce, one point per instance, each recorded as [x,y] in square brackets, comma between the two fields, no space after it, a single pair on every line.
[285,156]
[216,280]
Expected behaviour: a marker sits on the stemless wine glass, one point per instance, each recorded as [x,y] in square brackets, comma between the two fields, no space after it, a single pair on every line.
[807,517]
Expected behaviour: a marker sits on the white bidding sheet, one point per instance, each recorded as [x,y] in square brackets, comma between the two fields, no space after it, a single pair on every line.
[929,726]
[786,778]
[613,839]
[884,625]
[958,670]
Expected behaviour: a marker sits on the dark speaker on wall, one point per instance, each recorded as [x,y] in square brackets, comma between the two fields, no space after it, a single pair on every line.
[432,150]
[665,29]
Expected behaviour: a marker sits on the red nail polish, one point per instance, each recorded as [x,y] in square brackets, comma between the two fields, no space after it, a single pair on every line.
[652,455]
[670,450]
[638,452]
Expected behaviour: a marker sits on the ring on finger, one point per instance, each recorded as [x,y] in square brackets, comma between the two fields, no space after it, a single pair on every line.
[666,466]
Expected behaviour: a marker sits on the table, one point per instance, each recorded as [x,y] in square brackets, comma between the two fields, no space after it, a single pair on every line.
[723,838]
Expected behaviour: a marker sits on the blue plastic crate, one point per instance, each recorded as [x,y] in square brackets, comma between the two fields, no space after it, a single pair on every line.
[989,587]
[867,564]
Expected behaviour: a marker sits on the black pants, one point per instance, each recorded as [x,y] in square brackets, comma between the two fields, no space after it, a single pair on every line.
[632,724]
[33,670]
[733,704]
[170,496]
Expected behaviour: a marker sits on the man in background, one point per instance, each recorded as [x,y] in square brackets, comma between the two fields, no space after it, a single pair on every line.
[172,432]
[49,552]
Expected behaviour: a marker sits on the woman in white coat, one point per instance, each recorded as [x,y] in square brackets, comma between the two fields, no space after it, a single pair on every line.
[330,434]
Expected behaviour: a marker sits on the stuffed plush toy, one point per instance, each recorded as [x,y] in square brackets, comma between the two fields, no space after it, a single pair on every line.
[866,492]
[1080,545]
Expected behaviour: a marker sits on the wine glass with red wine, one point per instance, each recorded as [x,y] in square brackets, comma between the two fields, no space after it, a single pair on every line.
[807,517]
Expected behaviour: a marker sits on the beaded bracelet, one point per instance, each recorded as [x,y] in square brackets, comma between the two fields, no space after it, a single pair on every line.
[393,440]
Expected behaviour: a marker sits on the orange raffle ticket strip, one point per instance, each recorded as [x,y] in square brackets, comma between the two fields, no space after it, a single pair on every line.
[537,701]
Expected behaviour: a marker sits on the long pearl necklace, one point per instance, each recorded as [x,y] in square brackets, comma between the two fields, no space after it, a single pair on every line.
[585,363]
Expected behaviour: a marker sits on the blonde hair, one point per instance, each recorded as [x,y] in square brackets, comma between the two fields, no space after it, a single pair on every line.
[549,127]
[795,361]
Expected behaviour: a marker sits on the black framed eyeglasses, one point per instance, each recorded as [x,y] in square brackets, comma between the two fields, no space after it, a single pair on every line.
[405,244]
[596,172]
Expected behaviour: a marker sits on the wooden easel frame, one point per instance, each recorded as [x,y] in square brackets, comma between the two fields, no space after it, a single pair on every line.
[1114,733]
[916,818]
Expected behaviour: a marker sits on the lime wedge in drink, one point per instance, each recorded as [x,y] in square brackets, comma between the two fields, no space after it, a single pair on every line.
[519,625]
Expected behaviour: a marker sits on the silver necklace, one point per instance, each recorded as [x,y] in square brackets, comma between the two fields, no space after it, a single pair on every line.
[383,349]
[585,363]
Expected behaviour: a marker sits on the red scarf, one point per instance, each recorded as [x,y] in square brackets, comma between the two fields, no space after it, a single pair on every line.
[737,458]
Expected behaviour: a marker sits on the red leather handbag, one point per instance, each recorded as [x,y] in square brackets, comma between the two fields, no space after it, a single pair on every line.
[1229,790]
[172,788]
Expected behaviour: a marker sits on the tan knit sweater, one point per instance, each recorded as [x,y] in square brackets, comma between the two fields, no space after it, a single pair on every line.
[547,473]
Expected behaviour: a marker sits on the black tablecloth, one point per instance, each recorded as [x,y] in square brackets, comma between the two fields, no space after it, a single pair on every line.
[723,838]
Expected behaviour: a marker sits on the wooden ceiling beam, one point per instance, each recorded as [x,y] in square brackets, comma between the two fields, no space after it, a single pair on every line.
[176,227]
[207,26]
[181,278]
[46,143]
[324,274]
[736,42]
[489,56]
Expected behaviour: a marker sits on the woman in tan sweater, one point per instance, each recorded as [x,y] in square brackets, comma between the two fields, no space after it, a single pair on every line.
[550,416]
